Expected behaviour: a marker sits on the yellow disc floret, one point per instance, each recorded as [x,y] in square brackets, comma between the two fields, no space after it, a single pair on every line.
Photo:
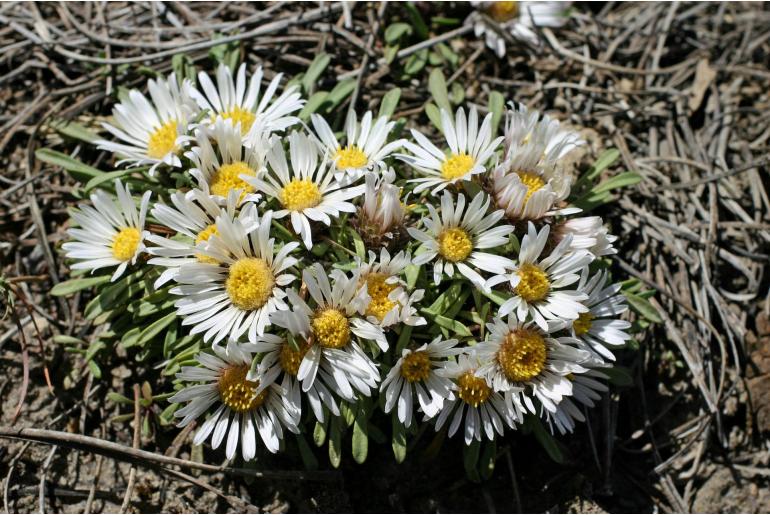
[532,181]
[162,140]
[202,236]
[416,366]
[250,283]
[583,323]
[350,157]
[228,178]
[290,358]
[522,355]
[300,194]
[455,244]
[331,328]
[379,290]
[503,11]
[239,115]
[125,243]
[534,284]
[456,166]
[473,390]
[238,393]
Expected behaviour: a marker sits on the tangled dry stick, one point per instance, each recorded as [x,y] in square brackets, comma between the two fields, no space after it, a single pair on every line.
[679,88]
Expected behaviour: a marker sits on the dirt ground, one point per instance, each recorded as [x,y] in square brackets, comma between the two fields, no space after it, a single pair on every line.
[680,89]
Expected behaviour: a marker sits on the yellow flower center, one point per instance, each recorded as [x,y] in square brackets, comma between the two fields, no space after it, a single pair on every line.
[416,367]
[204,235]
[237,392]
[331,328]
[379,290]
[290,359]
[534,284]
[522,355]
[228,178]
[239,115]
[350,157]
[250,283]
[583,323]
[455,244]
[162,140]
[473,390]
[532,181]
[503,11]
[125,243]
[300,194]
[456,166]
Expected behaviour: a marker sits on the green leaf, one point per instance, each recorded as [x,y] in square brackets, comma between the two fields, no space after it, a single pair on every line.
[390,53]
[403,338]
[319,433]
[447,299]
[471,459]
[437,88]
[497,108]
[618,375]
[108,177]
[395,31]
[335,442]
[619,181]
[340,92]
[306,453]
[644,308]
[77,169]
[73,130]
[74,285]
[95,370]
[545,438]
[434,115]
[448,54]
[360,441]
[604,161]
[487,459]
[63,339]
[313,104]
[454,326]
[314,71]
[119,399]
[416,62]
[398,443]
[155,328]
[390,102]
[417,22]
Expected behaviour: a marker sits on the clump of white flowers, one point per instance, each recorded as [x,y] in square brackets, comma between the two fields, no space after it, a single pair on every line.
[440,280]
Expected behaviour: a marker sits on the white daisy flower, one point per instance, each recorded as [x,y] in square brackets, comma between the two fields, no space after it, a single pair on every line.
[152,133]
[414,375]
[307,191]
[588,233]
[111,232]
[485,411]
[519,19]
[333,359]
[241,411]
[587,388]
[381,215]
[470,148]
[529,182]
[365,144]
[231,100]
[600,327]
[523,357]
[538,282]
[239,287]
[193,216]
[283,358]
[222,167]
[388,302]
[455,238]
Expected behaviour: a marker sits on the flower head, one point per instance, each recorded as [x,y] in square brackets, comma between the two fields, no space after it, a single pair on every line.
[111,233]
